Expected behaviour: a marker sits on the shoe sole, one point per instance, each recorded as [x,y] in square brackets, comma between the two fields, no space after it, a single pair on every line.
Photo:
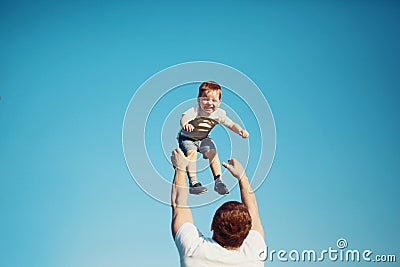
[225,194]
[222,194]
[197,192]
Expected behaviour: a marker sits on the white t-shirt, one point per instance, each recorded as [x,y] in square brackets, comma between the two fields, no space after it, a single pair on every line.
[195,250]
[203,123]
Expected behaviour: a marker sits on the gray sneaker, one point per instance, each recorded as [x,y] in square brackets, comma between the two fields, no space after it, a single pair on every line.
[197,189]
[220,187]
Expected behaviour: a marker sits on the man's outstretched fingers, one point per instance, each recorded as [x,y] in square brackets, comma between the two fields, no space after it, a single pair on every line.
[174,158]
[179,151]
[225,165]
[235,168]
[179,160]
[229,167]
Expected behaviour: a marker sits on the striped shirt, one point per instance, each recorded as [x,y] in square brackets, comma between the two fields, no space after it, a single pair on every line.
[203,123]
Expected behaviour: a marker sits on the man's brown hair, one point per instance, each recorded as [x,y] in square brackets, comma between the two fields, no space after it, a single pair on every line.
[231,224]
[209,86]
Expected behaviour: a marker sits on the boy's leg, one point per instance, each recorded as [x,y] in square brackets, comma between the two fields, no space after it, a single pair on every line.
[209,151]
[190,149]
[191,168]
[195,186]
[215,164]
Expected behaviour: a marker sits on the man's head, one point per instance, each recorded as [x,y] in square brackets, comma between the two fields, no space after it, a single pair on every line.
[209,96]
[231,224]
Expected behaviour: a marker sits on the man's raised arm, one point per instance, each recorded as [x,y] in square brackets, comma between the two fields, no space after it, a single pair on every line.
[179,194]
[246,192]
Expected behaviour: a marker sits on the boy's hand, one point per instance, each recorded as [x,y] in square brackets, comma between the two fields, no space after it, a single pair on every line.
[188,127]
[235,167]
[179,160]
[244,133]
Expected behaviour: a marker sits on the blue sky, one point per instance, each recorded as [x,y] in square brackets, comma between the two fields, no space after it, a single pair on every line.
[68,70]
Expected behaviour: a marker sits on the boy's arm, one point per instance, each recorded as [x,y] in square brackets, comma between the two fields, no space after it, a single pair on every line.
[239,130]
[246,192]
[185,119]
[188,116]
[233,126]
[179,194]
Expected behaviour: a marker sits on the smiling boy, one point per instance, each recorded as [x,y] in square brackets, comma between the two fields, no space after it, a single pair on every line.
[197,123]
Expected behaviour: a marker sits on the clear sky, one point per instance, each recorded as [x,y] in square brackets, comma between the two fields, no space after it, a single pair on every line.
[68,70]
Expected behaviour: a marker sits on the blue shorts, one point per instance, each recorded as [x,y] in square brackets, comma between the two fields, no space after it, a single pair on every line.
[202,146]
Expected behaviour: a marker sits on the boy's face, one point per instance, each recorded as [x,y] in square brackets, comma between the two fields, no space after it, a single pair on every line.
[209,101]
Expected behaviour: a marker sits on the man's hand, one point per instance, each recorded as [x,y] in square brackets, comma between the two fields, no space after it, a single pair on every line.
[244,133]
[179,160]
[188,127]
[235,167]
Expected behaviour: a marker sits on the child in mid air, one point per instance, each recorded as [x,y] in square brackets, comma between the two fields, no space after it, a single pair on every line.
[197,123]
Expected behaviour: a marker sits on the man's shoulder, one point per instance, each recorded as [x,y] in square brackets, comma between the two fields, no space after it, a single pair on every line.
[187,226]
[256,233]
[254,238]
[188,239]
[188,230]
